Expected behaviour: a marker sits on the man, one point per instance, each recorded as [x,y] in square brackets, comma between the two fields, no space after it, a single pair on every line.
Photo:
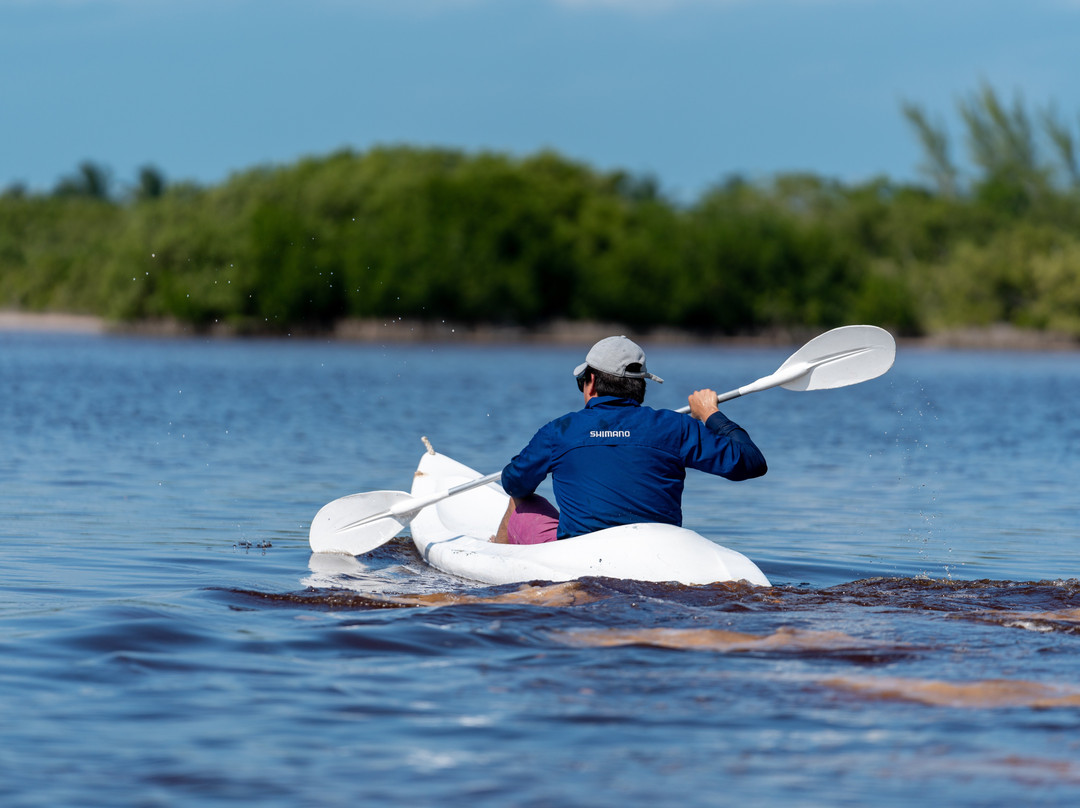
[616,462]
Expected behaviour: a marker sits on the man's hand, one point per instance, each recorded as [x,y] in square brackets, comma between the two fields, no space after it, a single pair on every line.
[703,404]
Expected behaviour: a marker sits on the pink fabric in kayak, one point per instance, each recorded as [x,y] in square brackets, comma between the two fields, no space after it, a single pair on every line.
[535,521]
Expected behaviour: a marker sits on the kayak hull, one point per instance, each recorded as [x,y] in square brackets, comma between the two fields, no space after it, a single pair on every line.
[453,536]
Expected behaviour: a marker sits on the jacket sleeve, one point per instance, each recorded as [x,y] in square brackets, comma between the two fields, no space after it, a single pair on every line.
[722,447]
[529,467]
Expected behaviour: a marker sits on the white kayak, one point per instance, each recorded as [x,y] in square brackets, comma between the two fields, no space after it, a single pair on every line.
[453,535]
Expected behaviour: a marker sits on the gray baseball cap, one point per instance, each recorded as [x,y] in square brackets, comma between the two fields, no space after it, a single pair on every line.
[615,355]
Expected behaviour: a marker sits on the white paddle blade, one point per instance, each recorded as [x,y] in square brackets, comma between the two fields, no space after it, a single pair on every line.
[841,357]
[838,358]
[357,523]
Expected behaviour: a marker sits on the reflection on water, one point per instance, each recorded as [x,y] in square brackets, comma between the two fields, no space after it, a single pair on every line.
[559,594]
[988,694]
[783,640]
[1067,620]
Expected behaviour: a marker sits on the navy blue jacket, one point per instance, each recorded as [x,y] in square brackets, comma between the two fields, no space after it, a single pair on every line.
[616,462]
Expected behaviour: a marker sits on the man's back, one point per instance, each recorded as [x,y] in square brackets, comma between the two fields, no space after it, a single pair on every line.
[616,462]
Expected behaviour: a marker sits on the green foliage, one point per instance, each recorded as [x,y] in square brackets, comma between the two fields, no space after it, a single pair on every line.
[1064,144]
[1028,276]
[439,234]
[937,165]
[90,181]
[151,183]
[49,248]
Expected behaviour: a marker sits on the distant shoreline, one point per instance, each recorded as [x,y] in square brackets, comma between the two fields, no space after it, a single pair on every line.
[996,337]
[52,322]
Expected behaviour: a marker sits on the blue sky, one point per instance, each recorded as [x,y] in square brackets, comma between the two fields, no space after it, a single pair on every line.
[690,91]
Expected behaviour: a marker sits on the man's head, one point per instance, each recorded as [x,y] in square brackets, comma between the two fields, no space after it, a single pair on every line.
[617,367]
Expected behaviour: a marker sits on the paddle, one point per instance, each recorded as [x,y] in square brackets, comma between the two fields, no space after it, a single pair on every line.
[361,522]
[844,356]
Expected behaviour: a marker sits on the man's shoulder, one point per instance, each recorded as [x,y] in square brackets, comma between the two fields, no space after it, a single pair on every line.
[566,417]
[559,426]
[661,416]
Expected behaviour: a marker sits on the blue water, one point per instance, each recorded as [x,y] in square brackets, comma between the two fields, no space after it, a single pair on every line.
[167,638]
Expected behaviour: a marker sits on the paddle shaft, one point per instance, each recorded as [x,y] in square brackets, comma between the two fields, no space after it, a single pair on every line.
[404,511]
[765,382]
[777,379]
[850,364]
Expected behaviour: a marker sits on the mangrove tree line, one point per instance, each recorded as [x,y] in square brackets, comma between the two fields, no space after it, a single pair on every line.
[440,234]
